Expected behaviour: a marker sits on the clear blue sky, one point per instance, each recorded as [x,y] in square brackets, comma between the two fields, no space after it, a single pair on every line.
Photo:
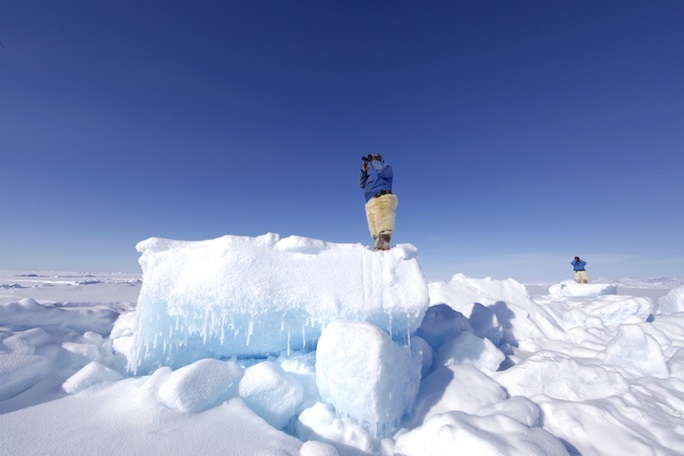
[521,133]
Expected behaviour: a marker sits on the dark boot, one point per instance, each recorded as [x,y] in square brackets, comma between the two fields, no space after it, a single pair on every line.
[384,241]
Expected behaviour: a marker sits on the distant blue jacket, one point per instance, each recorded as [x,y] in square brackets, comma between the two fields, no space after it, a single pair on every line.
[376,179]
[578,265]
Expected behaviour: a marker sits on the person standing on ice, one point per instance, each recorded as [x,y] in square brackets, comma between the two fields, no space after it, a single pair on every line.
[580,273]
[376,181]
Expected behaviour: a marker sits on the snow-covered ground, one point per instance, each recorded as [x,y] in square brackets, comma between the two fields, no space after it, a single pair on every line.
[495,367]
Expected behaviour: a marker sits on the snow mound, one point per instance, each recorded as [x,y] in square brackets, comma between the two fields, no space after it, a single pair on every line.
[456,432]
[260,296]
[449,388]
[199,386]
[271,392]
[559,376]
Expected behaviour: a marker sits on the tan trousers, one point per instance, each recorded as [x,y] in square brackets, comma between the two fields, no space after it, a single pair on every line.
[380,213]
[581,276]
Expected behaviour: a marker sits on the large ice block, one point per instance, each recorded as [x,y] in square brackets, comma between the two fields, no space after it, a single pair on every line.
[257,296]
[366,376]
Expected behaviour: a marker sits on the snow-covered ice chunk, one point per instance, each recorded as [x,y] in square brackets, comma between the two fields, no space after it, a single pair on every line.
[442,323]
[672,302]
[200,385]
[301,367]
[93,373]
[519,316]
[319,422]
[570,288]
[636,352]
[485,323]
[81,354]
[467,348]
[365,375]
[257,296]
[676,364]
[122,334]
[271,392]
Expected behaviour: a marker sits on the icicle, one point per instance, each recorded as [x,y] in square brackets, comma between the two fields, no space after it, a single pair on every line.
[408,329]
[250,329]
[205,326]
[235,330]
[304,337]
[288,342]
[222,337]
[374,428]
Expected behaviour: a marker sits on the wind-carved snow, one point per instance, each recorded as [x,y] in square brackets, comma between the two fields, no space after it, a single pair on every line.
[238,296]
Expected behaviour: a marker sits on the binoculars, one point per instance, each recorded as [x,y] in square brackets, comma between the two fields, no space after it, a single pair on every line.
[367,158]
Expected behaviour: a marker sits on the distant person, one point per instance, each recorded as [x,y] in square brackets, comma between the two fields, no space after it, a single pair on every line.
[580,273]
[376,181]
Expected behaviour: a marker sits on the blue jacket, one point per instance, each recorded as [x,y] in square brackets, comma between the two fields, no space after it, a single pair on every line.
[376,179]
[578,265]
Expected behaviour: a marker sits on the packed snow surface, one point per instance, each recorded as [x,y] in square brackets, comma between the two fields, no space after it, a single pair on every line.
[489,369]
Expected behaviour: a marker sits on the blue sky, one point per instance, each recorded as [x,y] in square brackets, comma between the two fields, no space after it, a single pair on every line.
[521,133]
